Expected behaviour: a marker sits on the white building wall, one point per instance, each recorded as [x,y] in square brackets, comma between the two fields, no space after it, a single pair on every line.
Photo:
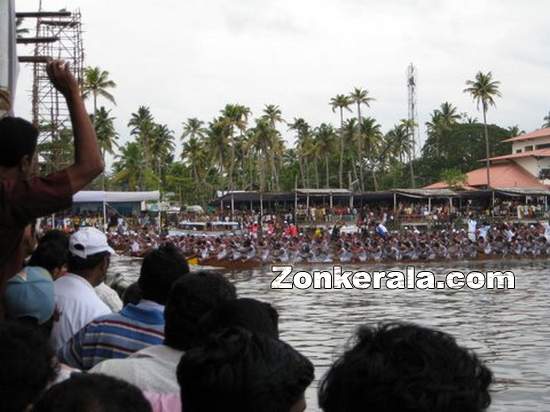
[531,142]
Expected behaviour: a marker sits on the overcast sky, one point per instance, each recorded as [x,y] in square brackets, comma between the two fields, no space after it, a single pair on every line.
[189,58]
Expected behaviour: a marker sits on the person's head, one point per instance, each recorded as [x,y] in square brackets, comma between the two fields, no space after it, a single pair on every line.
[28,366]
[191,297]
[405,367]
[93,393]
[18,140]
[250,314]
[30,297]
[52,254]
[132,294]
[89,255]
[240,371]
[160,269]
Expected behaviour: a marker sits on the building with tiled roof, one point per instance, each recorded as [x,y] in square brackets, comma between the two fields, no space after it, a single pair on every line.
[528,166]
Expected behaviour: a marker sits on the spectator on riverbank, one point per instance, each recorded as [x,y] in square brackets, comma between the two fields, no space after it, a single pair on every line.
[52,253]
[93,393]
[24,198]
[405,367]
[153,369]
[77,301]
[118,335]
[238,370]
[28,366]
[30,298]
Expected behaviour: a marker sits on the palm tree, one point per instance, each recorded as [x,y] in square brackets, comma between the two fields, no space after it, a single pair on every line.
[303,136]
[142,126]
[341,102]
[359,97]
[484,90]
[234,116]
[96,83]
[546,121]
[105,131]
[129,166]
[273,113]
[371,137]
[263,136]
[193,128]
[324,140]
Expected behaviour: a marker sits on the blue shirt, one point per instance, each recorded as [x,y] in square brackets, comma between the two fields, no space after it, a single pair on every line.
[115,336]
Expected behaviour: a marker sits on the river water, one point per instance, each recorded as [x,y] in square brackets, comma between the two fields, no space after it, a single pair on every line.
[509,329]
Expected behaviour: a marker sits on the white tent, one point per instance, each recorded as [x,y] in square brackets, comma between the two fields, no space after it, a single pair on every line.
[98,196]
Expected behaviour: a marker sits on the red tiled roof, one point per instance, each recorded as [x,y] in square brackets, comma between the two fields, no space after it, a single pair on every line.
[532,135]
[507,174]
[532,153]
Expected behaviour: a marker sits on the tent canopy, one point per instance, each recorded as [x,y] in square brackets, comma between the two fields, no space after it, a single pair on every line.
[98,196]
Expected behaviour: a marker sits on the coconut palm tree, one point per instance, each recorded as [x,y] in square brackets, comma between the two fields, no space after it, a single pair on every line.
[484,90]
[234,116]
[129,166]
[341,102]
[273,113]
[193,128]
[193,154]
[143,126]
[546,121]
[371,137]
[325,137]
[359,97]
[263,136]
[303,138]
[105,131]
[97,83]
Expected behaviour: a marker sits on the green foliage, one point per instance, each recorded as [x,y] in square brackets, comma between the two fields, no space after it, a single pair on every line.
[454,178]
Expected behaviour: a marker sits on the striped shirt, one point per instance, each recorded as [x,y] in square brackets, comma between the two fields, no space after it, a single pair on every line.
[115,336]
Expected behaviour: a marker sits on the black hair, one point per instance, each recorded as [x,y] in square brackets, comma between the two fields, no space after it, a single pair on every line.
[57,236]
[132,294]
[250,314]
[238,370]
[49,255]
[93,393]
[160,269]
[77,264]
[191,297]
[28,366]
[18,138]
[405,367]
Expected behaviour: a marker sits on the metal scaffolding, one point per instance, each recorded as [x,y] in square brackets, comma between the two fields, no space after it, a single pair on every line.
[58,35]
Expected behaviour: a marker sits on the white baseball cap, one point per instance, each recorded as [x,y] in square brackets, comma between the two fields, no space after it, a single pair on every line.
[89,241]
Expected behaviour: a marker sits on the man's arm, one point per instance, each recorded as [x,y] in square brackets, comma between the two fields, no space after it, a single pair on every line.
[88,162]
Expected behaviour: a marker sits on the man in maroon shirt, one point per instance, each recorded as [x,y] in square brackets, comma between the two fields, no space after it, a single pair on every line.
[24,198]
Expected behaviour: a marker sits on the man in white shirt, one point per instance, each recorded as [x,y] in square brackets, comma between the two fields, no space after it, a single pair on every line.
[76,299]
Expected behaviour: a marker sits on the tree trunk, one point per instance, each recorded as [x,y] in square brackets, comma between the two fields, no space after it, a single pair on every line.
[301,164]
[487,162]
[317,183]
[327,174]
[360,148]
[341,166]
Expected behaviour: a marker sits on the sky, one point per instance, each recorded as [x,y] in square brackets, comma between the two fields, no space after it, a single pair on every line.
[189,58]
